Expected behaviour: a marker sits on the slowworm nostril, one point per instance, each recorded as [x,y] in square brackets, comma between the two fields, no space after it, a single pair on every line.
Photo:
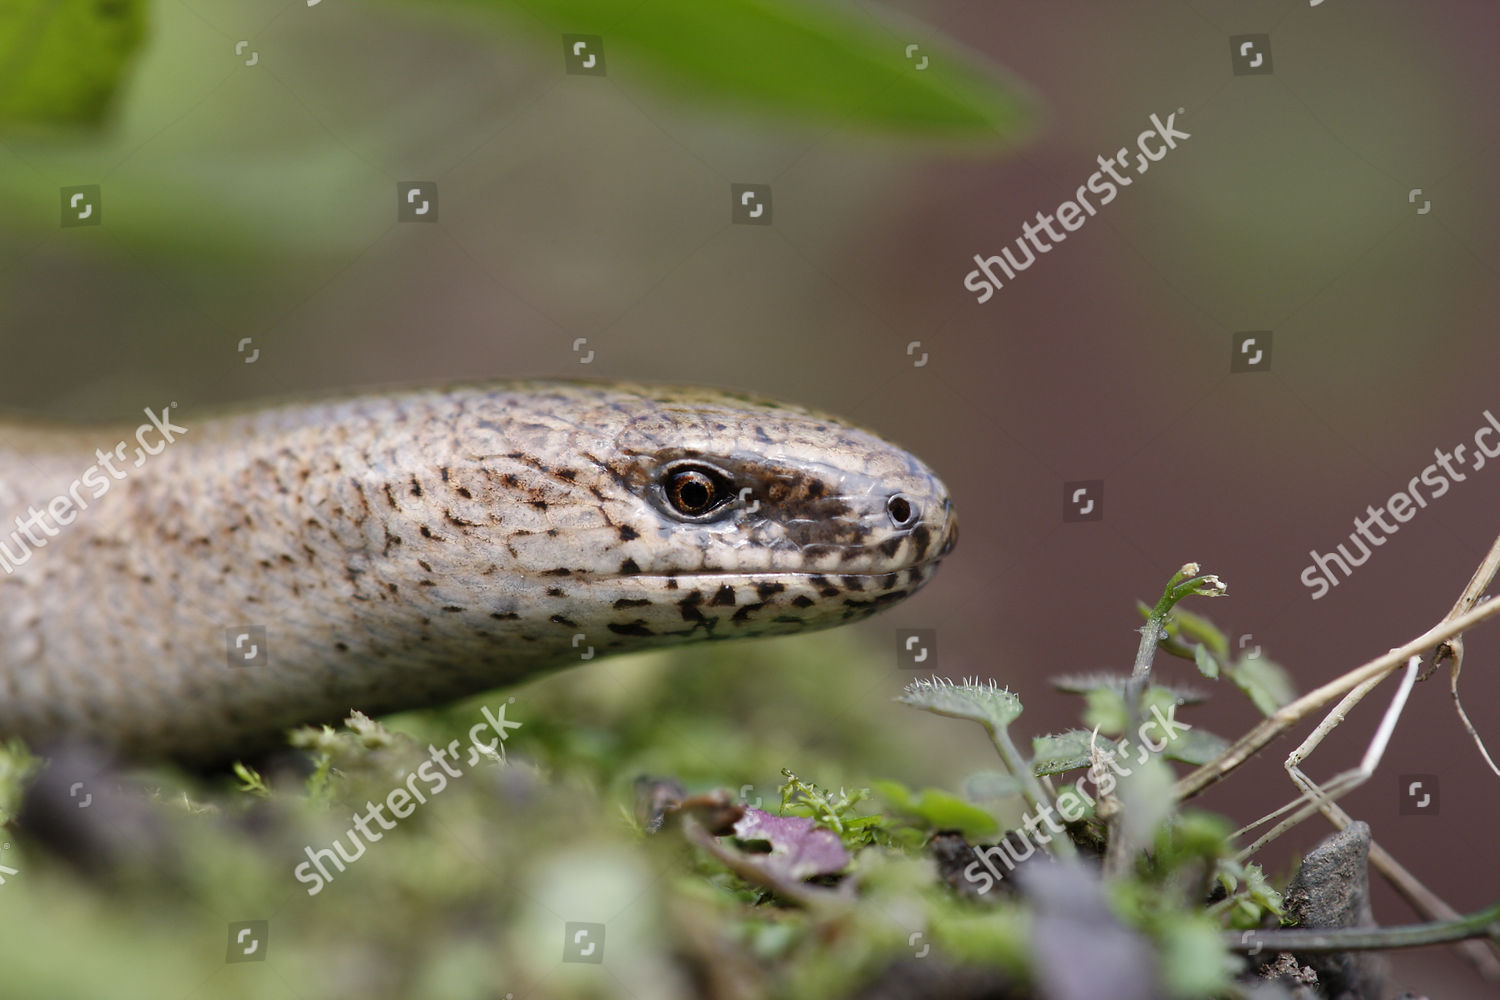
[903,513]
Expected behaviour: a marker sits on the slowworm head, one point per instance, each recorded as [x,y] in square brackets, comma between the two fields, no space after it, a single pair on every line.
[692,514]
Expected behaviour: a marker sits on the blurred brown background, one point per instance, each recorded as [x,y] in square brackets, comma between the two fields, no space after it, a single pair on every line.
[599,208]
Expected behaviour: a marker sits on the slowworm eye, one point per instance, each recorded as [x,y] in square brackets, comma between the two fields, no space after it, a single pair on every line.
[695,490]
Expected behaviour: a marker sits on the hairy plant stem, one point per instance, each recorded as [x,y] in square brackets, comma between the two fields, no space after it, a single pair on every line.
[1184,582]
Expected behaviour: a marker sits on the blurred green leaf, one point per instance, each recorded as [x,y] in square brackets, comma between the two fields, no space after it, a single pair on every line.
[1196,747]
[1067,751]
[991,786]
[939,810]
[1084,683]
[1000,936]
[1059,752]
[1200,628]
[16,767]
[1259,898]
[227,188]
[1146,794]
[1106,711]
[1268,685]
[1193,836]
[1207,665]
[61,60]
[1193,960]
[820,59]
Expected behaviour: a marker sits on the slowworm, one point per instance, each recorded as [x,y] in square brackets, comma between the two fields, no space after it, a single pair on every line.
[398,549]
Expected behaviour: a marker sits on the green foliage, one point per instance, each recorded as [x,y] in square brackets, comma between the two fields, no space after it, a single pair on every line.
[250,780]
[1061,752]
[1000,936]
[1251,898]
[1195,843]
[1267,684]
[1193,960]
[1196,747]
[1106,711]
[218,164]
[821,59]
[935,809]
[833,812]
[1193,637]
[803,798]
[993,707]
[1187,852]
[1199,628]
[61,61]
[17,766]
[467,896]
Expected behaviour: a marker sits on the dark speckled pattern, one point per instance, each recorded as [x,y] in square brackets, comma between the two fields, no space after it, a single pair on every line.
[406,548]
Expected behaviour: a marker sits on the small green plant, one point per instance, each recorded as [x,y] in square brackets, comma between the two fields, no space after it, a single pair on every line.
[1162,874]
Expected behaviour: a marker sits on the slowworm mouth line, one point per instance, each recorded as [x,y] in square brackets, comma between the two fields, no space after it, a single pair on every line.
[782,574]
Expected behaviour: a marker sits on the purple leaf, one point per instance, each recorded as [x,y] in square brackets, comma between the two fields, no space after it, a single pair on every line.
[799,848]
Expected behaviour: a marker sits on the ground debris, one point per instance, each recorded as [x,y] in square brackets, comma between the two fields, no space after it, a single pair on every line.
[1332,889]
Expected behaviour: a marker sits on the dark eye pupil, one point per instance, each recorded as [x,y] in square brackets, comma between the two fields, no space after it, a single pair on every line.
[900,510]
[692,492]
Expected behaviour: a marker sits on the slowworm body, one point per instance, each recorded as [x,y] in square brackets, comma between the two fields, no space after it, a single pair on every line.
[399,549]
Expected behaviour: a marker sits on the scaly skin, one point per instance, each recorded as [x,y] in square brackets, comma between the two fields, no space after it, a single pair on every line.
[405,548]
